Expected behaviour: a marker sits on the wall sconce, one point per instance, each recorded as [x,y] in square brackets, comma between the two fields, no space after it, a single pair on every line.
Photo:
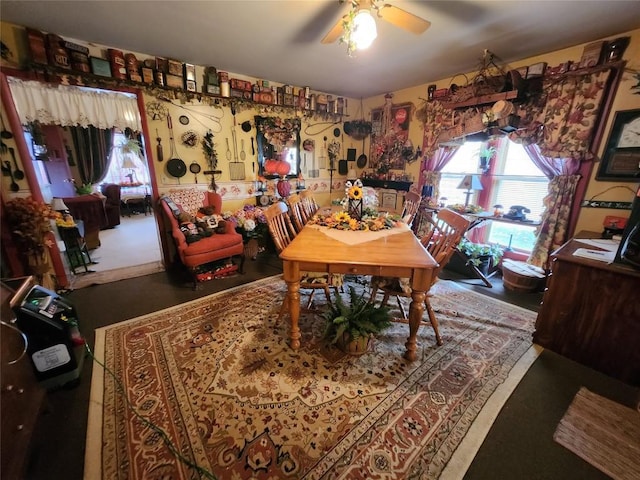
[471,183]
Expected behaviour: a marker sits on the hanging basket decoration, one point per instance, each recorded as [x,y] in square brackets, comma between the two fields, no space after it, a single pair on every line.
[357,129]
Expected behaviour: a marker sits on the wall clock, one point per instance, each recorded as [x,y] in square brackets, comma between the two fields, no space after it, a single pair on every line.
[621,159]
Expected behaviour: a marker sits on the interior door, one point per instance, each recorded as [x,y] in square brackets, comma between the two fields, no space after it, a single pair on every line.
[58,171]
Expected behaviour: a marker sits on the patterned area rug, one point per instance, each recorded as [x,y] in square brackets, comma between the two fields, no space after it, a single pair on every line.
[217,375]
[603,433]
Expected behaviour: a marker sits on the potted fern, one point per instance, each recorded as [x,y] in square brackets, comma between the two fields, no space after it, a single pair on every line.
[351,327]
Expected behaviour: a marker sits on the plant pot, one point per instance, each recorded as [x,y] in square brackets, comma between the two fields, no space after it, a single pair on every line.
[354,347]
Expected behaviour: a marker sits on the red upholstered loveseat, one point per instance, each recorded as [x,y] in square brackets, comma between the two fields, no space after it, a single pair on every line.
[208,249]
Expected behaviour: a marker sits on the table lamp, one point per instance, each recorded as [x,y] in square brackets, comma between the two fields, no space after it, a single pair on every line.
[470,183]
[127,163]
[58,205]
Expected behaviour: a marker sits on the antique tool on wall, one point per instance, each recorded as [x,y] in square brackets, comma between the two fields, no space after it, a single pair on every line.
[14,186]
[159,152]
[175,166]
[19,174]
[195,169]
[236,168]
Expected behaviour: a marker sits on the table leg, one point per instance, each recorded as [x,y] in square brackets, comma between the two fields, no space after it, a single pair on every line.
[292,277]
[421,281]
[416,309]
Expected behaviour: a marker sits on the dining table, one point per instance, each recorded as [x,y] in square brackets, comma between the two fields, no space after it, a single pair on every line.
[395,252]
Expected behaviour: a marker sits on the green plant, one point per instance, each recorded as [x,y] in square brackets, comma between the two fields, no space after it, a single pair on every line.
[360,318]
[474,251]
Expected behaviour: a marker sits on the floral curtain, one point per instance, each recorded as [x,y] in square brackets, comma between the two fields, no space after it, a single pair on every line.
[557,134]
[431,166]
[571,111]
[552,233]
[66,105]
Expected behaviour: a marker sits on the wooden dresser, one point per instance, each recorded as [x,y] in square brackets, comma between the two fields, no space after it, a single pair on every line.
[591,313]
[21,396]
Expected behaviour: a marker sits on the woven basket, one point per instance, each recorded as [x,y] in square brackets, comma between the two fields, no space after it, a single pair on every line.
[521,277]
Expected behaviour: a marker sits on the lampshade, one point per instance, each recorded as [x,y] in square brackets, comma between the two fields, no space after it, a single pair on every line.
[128,163]
[364,30]
[470,182]
[58,205]
[352,174]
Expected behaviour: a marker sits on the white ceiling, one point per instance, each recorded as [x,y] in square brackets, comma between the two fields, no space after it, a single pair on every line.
[280,40]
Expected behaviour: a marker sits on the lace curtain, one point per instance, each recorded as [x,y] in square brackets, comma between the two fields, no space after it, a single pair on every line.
[69,106]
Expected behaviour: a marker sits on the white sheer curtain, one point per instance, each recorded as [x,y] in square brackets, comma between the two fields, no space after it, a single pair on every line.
[74,106]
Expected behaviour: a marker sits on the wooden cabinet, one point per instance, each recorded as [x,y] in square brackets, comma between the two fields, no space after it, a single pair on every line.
[21,397]
[591,314]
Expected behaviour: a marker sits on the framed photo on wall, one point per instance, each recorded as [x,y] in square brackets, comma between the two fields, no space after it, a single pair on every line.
[621,158]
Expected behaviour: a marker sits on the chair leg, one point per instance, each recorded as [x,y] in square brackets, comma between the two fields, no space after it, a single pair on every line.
[401,307]
[433,320]
[374,291]
[327,293]
[385,299]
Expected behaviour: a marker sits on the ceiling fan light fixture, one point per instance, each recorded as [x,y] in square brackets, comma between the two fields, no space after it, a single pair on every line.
[364,30]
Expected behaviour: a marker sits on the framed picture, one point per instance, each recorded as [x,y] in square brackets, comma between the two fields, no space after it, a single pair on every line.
[621,158]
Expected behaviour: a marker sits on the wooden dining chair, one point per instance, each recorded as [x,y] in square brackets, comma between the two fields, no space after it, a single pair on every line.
[283,233]
[441,239]
[298,215]
[411,204]
[309,204]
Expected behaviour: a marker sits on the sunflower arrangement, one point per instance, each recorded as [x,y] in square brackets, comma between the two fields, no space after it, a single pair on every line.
[371,221]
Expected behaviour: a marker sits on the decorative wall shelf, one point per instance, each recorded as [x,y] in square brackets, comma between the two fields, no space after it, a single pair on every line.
[389,184]
[482,100]
[60,76]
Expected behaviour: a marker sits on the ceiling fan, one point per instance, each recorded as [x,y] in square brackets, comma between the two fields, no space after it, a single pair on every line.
[358,27]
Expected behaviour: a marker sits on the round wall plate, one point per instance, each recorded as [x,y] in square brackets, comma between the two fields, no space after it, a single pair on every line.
[184,120]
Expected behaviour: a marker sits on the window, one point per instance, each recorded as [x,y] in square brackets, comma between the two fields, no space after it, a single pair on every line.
[515,180]
[127,169]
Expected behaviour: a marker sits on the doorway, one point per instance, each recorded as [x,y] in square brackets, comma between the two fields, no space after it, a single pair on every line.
[128,249]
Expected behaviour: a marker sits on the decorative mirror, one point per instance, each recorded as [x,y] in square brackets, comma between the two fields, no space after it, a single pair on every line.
[278,146]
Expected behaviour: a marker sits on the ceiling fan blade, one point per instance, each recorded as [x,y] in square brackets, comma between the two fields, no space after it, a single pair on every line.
[403,19]
[335,32]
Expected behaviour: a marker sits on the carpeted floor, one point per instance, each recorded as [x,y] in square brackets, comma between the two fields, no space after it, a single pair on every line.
[218,378]
[519,445]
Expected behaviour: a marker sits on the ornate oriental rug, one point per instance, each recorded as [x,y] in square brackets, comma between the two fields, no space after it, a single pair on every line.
[218,377]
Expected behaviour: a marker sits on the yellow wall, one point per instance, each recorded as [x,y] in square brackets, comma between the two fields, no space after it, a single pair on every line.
[625,99]
[236,193]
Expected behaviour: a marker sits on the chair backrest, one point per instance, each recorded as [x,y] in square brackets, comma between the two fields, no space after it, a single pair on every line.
[309,204]
[410,208]
[279,223]
[444,232]
[298,216]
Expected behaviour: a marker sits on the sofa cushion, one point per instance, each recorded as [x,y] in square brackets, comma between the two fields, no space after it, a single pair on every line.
[215,242]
